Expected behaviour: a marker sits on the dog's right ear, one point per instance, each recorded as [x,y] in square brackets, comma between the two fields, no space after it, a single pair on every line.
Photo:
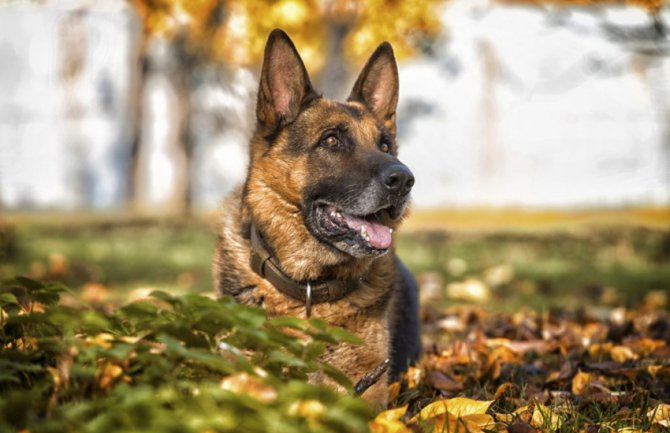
[284,84]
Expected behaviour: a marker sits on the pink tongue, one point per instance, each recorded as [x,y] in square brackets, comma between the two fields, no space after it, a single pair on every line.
[379,234]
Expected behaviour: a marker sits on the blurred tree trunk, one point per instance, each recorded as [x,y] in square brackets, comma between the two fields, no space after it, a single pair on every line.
[492,156]
[72,47]
[336,75]
[335,78]
[162,156]
[135,177]
[649,62]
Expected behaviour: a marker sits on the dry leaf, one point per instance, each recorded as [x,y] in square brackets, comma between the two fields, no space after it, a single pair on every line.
[475,423]
[310,409]
[58,265]
[244,383]
[581,382]
[472,290]
[389,421]
[414,376]
[110,373]
[543,417]
[660,415]
[622,354]
[104,340]
[458,407]
[394,391]
[443,382]
[384,426]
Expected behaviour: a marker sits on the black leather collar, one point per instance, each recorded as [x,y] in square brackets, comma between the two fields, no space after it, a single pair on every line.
[310,292]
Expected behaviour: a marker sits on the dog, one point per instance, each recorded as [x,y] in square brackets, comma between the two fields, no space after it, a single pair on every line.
[310,232]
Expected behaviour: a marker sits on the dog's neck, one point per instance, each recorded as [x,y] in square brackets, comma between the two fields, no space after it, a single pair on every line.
[263,263]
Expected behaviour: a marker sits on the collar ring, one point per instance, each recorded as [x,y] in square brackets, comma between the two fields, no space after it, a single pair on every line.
[308,300]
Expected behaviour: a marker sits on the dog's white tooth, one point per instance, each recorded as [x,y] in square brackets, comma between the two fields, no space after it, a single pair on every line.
[339,215]
[364,231]
[390,230]
[333,214]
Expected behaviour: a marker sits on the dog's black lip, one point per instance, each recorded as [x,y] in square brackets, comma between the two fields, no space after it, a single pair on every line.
[346,235]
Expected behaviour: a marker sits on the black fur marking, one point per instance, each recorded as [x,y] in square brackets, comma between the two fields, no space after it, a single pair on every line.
[405,333]
[354,112]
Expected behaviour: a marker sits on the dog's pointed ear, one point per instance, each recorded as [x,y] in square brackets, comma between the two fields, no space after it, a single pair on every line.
[377,85]
[284,84]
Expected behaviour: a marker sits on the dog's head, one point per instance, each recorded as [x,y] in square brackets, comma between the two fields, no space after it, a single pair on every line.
[332,166]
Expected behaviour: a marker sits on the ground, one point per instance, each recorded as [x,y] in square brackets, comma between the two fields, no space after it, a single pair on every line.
[527,327]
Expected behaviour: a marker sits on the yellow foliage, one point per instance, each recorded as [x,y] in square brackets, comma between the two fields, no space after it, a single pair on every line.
[239,37]
[389,421]
[459,407]
[310,409]
[660,415]
[623,354]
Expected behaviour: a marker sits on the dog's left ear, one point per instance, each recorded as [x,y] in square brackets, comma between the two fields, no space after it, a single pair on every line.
[377,85]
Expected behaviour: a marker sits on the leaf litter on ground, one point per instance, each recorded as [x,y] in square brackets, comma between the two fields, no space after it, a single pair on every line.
[556,371]
[213,365]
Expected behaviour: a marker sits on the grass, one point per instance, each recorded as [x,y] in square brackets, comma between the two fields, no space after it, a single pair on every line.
[174,255]
[506,313]
[541,268]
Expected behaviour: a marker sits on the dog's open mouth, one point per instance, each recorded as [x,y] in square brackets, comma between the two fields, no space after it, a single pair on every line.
[366,231]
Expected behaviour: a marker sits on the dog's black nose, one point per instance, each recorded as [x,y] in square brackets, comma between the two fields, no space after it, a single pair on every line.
[398,179]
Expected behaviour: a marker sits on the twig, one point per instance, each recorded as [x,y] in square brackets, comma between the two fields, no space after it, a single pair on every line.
[371,378]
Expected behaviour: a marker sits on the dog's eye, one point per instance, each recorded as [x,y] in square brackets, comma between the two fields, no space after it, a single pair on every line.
[331,141]
[385,147]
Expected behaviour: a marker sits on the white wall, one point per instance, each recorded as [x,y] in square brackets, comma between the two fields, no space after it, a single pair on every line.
[64,142]
[550,130]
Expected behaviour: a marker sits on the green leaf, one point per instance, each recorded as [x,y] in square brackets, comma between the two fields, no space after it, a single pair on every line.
[342,335]
[7,298]
[286,359]
[337,376]
[288,322]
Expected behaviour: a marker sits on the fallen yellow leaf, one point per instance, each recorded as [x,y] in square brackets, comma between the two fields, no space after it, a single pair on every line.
[585,381]
[543,417]
[244,383]
[660,415]
[386,426]
[310,409]
[598,350]
[394,391]
[108,375]
[505,417]
[476,423]
[392,414]
[414,376]
[103,339]
[622,354]
[389,421]
[458,407]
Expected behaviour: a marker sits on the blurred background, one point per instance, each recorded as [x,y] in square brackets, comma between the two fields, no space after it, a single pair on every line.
[539,133]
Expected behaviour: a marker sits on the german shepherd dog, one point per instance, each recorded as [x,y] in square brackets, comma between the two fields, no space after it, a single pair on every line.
[311,230]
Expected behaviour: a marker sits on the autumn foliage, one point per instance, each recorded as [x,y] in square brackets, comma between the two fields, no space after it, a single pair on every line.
[193,364]
[530,372]
[235,31]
